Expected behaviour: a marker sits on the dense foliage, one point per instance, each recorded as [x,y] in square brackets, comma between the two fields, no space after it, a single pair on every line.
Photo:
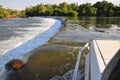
[103,8]
[63,9]
[8,13]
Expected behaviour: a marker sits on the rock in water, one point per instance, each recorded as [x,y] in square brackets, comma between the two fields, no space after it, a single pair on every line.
[15,64]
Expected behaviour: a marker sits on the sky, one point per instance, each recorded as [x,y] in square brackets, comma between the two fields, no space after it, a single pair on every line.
[22,4]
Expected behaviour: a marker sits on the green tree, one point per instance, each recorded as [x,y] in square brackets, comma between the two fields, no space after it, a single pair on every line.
[63,6]
[49,10]
[110,10]
[104,8]
[72,13]
[29,11]
[73,7]
[87,10]
[22,14]
[116,11]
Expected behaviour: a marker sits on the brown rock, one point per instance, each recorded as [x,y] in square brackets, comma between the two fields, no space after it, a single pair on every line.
[15,64]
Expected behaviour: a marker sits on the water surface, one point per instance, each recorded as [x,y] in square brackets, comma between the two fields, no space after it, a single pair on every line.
[58,56]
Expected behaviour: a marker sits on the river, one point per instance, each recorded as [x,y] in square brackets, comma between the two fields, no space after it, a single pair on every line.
[21,35]
[58,56]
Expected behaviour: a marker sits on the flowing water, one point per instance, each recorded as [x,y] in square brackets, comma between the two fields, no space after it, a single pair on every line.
[58,56]
[20,36]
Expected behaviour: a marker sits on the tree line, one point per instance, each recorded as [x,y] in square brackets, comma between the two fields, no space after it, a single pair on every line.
[102,8]
[9,13]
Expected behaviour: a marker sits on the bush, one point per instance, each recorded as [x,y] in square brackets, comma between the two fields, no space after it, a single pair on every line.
[72,13]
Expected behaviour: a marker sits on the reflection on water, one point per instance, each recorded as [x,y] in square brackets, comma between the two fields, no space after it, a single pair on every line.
[96,21]
[109,25]
[58,56]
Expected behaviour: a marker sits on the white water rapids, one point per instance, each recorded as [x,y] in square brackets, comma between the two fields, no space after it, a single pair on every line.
[20,36]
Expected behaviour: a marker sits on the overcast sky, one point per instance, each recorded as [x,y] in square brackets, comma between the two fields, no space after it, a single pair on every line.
[21,4]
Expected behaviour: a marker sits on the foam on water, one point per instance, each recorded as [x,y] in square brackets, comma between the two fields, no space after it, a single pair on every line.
[16,47]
